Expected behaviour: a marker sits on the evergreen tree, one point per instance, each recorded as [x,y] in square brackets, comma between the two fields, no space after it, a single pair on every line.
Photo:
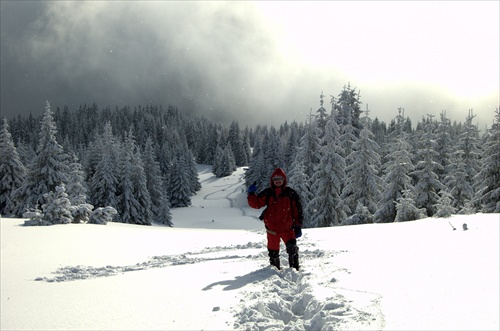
[224,165]
[236,144]
[49,168]
[102,215]
[308,151]
[57,209]
[362,187]
[428,186]
[160,206]
[443,147]
[103,184]
[327,208]
[180,185]
[12,171]
[257,171]
[459,187]
[488,178]
[76,187]
[406,210]
[348,111]
[469,148]
[134,199]
[321,115]
[298,180]
[396,177]
[444,206]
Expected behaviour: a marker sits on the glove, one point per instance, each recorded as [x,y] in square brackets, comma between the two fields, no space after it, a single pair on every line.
[298,230]
[252,188]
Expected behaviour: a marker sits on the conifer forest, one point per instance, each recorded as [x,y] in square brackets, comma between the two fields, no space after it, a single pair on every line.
[129,165]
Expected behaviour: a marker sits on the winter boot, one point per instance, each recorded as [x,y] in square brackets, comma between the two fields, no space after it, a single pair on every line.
[274,258]
[293,254]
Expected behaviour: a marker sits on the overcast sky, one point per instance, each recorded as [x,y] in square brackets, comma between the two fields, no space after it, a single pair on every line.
[255,62]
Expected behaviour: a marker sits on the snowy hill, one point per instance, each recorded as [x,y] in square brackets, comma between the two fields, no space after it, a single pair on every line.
[210,272]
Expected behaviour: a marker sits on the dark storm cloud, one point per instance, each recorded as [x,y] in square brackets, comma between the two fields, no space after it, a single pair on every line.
[206,57]
[230,60]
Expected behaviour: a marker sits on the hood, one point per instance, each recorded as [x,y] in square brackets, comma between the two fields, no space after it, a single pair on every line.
[278,172]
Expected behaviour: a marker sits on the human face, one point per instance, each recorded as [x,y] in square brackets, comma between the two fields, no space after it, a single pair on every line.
[278,181]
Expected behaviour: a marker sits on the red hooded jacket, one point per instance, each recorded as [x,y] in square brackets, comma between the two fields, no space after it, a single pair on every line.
[284,208]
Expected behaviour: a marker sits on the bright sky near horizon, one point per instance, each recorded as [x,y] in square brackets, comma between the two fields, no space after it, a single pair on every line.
[451,44]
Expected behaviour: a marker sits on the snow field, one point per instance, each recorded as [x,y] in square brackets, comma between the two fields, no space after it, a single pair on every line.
[210,272]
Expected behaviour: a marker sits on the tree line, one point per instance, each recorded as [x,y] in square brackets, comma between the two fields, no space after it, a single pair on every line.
[132,166]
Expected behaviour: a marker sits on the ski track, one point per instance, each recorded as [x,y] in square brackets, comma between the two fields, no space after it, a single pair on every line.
[277,299]
[237,188]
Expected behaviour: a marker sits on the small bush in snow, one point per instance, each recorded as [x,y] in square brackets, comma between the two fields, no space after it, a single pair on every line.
[81,213]
[57,208]
[102,215]
[35,218]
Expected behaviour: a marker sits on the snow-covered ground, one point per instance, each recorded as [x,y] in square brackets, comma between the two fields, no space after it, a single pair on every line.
[210,272]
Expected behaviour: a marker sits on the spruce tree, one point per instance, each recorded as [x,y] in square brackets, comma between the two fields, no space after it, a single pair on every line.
[12,171]
[160,206]
[362,188]
[428,186]
[327,208]
[76,187]
[444,206]
[396,177]
[48,169]
[134,199]
[57,209]
[488,178]
[406,210]
[103,185]
[236,144]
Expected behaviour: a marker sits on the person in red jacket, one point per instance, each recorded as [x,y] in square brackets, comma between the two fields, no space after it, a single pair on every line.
[282,217]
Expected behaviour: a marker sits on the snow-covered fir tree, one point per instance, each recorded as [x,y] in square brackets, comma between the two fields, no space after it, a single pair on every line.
[469,149]
[488,178]
[273,151]
[257,171]
[292,141]
[347,107]
[459,187]
[362,185]
[428,186]
[236,144]
[76,187]
[444,206]
[224,164]
[321,114]
[103,183]
[308,149]
[443,146]
[406,210]
[180,185]
[160,206]
[298,180]
[396,177]
[56,210]
[133,199]
[48,169]
[327,208]
[12,171]
[102,215]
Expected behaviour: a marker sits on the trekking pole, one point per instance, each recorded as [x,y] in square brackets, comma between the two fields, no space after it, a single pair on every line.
[451,226]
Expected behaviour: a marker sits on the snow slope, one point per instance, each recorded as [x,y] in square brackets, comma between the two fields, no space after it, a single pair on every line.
[210,272]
